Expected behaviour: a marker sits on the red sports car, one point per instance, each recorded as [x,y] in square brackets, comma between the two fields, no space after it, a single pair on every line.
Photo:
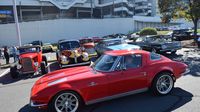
[114,74]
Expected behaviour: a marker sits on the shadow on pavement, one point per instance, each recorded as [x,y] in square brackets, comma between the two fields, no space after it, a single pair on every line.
[143,102]
[6,79]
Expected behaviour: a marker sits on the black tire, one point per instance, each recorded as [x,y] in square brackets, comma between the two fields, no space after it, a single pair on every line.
[51,105]
[13,72]
[154,88]
[44,58]
[43,68]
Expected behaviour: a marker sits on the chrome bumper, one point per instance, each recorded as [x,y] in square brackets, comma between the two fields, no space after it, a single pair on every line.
[77,64]
[186,71]
[36,105]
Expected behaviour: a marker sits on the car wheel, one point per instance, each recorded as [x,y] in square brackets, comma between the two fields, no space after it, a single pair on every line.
[162,84]
[44,58]
[13,72]
[43,68]
[67,101]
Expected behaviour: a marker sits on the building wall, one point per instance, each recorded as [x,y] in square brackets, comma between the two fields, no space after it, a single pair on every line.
[53,30]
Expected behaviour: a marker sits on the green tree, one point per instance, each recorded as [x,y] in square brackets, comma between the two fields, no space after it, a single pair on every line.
[188,9]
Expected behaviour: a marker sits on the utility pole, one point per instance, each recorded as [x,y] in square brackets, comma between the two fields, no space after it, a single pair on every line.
[91,3]
[17,22]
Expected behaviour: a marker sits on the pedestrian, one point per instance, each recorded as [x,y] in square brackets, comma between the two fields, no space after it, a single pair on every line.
[6,55]
[198,42]
[14,53]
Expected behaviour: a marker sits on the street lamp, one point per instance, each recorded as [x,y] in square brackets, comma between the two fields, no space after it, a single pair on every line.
[16,22]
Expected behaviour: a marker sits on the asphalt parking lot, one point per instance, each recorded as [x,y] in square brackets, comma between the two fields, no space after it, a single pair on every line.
[14,94]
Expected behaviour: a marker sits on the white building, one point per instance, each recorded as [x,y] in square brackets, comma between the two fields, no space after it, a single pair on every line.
[52,9]
[67,19]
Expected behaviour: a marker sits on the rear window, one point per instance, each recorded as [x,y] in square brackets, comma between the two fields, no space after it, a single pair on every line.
[155,56]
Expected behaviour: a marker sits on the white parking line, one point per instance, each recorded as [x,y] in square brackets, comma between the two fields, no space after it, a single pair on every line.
[5,72]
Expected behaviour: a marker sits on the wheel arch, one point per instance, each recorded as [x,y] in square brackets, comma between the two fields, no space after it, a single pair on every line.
[163,71]
[67,90]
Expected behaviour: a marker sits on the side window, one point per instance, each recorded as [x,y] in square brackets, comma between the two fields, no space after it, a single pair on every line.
[133,61]
[155,56]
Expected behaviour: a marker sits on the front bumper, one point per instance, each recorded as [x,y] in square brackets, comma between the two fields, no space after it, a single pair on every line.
[34,104]
[186,72]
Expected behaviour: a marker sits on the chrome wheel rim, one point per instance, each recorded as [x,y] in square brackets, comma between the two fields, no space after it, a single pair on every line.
[66,102]
[164,84]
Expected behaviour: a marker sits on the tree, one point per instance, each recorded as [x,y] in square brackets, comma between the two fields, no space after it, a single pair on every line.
[188,9]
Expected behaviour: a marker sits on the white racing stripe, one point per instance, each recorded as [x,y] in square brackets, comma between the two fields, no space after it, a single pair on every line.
[5,72]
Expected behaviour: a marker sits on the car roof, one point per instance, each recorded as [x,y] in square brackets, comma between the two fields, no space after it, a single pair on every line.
[112,39]
[62,41]
[123,47]
[125,52]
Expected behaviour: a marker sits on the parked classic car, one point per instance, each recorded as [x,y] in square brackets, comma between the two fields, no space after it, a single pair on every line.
[88,45]
[70,53]
[158,43]
[47,47]
[117,73]
[123,47]
[183,34]
[31,61]
[101,47]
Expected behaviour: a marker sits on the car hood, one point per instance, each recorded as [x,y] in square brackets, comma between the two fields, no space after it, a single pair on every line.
[69,73]
[28,55]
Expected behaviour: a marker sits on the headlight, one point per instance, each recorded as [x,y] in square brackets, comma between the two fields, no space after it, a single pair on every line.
[64,58]
[164,46]
[85,55]
[36,63]
[57,81]
[19,66]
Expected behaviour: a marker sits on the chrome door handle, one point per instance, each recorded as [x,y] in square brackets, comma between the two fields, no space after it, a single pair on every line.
[92,84]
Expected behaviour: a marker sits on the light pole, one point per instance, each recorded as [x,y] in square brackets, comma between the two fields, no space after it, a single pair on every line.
[17,22]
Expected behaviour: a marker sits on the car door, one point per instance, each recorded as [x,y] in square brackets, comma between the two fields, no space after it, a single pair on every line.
[127,78]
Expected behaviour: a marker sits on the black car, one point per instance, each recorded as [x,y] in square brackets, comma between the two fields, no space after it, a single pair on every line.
[103,44]
[183,34]
[37,42]
[158,43]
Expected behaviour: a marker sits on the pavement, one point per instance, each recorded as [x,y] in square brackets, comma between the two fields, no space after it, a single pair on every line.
[14,94]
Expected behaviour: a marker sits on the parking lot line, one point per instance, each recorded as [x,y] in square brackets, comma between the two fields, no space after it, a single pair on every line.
[5,72]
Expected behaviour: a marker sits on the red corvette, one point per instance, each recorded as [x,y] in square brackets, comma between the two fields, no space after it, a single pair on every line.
[114,74]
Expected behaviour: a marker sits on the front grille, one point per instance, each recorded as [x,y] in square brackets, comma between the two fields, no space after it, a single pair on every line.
[27,65]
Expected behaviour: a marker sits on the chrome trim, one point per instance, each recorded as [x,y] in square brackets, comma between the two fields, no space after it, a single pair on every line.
[116,96]
[186,71]
[77,64]
[36,105]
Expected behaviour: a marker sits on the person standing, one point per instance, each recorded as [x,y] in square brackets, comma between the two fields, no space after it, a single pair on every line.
[14,53]
[198,42]
[6,55]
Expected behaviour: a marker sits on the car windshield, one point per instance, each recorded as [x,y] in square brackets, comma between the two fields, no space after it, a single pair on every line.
[90,50]
[104,63]
[158,39]
[28,50]
[69,45]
